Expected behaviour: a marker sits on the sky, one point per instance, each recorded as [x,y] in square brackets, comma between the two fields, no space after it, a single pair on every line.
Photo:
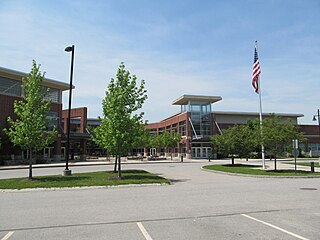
[177,46]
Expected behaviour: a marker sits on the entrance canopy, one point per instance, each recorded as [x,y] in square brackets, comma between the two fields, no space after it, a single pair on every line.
[185,99]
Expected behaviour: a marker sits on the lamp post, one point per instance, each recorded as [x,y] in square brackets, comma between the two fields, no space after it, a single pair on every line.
[67,171]
[315,117]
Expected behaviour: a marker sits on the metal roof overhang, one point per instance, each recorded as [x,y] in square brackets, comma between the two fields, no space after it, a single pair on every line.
[47,82]
[184,99]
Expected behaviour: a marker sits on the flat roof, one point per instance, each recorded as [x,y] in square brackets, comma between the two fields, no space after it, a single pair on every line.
[256,113]
[13,74]
[184,99]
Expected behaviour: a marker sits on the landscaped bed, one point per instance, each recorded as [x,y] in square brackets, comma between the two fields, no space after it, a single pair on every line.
[256,170]
[105,178]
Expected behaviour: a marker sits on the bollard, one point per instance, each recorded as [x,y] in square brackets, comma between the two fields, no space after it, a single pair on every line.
[181,158]
[312,167]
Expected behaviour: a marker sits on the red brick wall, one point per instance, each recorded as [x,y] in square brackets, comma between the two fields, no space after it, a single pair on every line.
[76,113]
[6,110]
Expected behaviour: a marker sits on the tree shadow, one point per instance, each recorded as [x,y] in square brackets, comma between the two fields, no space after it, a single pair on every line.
[240,165]
[59,178]
[178,180]
[141,177]
[289,171]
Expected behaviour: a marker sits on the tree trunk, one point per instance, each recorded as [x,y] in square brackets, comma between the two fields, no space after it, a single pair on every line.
[232,160]
[115,164]
[30,164]
[275,162]
[119,167]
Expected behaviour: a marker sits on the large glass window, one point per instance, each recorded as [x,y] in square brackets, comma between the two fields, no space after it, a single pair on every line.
[13,87]
[52,120]
[182,128]
[201,119]
[10,86]
[52,95]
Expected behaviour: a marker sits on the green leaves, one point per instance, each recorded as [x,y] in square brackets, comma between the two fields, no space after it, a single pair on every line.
[277,133]
[166,140]
[238,140]
[29,130]
[121,124]
[242,140]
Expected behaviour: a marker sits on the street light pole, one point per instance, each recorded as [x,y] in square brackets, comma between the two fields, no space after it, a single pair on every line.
[67,171]
[315,117]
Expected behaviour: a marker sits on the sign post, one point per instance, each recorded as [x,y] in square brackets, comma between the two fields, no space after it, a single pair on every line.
[295,153]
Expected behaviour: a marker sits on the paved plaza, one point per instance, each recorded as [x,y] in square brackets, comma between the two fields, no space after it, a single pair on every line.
[198,205]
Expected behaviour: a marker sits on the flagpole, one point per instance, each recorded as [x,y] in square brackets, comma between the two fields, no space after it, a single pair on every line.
[261,126]
[260,115]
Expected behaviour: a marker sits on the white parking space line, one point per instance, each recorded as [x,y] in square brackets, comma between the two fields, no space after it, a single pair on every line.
[6,237]
[144,231]
[275,227]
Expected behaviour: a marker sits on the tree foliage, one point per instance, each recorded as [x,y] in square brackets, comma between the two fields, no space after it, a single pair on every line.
[166,140]
[242,140]
[121,124]
[276,134]
[235,141]
[30,129]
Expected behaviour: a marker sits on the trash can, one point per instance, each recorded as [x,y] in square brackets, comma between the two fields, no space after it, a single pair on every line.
[312,167]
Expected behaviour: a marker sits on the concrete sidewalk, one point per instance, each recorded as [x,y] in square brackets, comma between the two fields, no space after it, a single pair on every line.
[99,162]
[269,163]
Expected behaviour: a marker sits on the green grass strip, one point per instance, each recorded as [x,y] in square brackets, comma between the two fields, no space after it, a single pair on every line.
[252,170]
[105,178]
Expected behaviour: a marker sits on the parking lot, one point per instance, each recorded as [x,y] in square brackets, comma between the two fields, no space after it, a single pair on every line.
[198,205]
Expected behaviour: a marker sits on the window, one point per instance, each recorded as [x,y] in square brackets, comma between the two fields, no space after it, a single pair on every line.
[10,86]
[182,128]
[14,87]
[52,120]
[52,95]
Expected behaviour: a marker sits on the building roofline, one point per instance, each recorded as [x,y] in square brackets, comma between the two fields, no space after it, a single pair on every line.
[184,99]
[6,72]
[256,113]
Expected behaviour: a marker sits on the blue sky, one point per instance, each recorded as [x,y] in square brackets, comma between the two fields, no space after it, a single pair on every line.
[177,46]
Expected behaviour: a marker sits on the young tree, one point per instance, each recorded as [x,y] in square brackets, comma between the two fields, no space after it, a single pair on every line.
[237,140]
[121,125]
[169,140]
[276,134]
[30,129]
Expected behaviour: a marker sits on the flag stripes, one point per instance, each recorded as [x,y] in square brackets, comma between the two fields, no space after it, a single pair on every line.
[256,71]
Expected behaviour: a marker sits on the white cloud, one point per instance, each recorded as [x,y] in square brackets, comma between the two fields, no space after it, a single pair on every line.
[156,48]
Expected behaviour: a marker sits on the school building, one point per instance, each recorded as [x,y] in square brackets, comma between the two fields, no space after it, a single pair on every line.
[196,121]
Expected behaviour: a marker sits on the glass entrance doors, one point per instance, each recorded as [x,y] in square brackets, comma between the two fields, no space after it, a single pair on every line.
[201,152]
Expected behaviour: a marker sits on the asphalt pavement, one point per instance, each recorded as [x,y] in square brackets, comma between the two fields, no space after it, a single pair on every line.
[198,205]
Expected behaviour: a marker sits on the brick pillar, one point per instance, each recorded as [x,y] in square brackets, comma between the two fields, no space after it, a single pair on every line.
[145,152]
[57,150]
[83,150]
[179,150]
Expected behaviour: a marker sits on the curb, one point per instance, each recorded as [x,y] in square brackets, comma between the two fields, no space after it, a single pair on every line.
[81,188]
[256,176]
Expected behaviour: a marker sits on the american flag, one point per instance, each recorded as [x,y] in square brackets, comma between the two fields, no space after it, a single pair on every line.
[256,70]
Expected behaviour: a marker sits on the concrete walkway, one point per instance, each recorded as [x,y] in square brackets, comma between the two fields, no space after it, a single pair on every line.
[98,162]
[281,164]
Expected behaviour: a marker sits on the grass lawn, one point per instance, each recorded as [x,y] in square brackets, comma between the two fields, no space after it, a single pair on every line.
[105,178]
[252,170]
